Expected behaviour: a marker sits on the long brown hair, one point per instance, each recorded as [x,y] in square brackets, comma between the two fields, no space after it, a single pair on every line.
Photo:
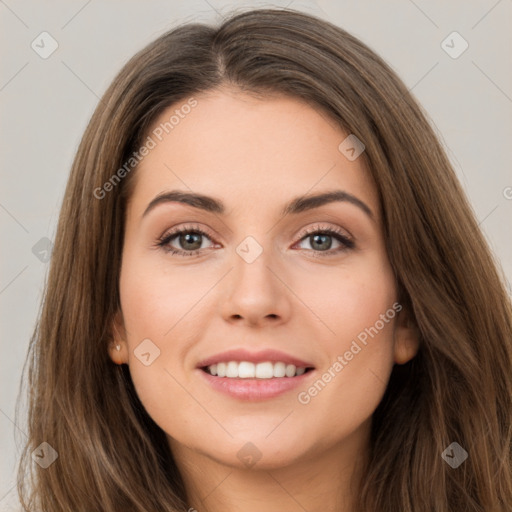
[112,456]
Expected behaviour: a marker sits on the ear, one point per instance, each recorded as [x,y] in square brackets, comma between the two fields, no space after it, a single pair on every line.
[118,346]
[406,334]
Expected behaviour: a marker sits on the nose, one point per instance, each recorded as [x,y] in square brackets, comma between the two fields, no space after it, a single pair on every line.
[255,294]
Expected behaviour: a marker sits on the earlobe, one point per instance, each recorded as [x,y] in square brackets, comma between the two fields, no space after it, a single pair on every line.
[406,338]
[117,347]
[117,352]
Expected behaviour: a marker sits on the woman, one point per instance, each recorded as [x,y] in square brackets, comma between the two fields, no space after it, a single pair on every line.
[267,291]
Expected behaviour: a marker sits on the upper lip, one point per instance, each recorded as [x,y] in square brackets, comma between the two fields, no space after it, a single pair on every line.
[274,356]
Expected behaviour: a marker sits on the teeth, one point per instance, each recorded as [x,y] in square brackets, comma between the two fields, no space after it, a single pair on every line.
[221,369]
[246,370]
[232,369]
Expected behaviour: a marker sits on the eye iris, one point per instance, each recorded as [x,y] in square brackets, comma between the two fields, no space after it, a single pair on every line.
[190,238]
[325,241]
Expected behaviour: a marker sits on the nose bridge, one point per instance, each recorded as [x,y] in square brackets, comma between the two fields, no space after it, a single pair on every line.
[254,293]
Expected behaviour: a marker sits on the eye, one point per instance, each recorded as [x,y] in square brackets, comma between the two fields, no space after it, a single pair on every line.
[186,241]
[322,240]
[191,240]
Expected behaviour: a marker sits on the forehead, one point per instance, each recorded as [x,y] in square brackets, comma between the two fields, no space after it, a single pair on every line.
[245,149]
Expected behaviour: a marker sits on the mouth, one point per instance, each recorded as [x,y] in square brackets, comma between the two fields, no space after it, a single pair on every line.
[257,376]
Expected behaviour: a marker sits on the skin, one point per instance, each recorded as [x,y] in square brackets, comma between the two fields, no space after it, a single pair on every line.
[256,155]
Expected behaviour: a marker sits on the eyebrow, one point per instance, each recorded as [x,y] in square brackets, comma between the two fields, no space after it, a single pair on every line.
[296,205]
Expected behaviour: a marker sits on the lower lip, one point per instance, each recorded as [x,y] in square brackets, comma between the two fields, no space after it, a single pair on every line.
[254,389]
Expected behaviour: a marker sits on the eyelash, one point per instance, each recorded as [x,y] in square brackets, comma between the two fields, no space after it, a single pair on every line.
[347,243]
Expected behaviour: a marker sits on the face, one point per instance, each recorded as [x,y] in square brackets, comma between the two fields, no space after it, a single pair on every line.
[252,267]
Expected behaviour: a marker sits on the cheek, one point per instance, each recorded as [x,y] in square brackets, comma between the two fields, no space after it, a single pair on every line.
[348,389]
[153,301]
[159,316]
[349,298]
[360,313]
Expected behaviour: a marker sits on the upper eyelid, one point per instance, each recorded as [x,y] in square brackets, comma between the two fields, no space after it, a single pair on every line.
[186,229]
[335,229]
[190,227]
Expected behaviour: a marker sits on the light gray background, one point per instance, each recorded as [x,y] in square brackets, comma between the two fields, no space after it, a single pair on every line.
[46,103]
